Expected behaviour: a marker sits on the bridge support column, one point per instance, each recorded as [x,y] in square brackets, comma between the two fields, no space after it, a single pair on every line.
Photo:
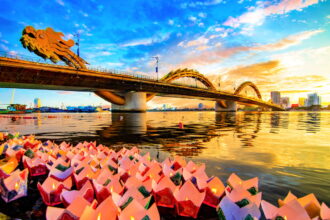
[134,102]
[231,107]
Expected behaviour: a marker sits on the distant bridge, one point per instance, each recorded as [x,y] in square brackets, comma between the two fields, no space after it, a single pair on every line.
[129,91]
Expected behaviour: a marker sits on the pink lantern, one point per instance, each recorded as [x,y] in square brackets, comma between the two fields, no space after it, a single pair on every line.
[87,192]
[51,189]
[163,192]
[188,200]
[14,186]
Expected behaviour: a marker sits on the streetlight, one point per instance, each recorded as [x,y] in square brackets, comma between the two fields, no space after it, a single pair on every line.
[157,61]
[78,41]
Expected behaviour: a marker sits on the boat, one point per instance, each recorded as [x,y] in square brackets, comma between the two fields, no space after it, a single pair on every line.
[15,109]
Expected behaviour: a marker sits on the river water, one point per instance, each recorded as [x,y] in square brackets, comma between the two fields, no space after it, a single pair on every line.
[286,150]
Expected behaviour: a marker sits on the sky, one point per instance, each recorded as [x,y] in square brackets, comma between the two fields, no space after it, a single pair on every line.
[281,45]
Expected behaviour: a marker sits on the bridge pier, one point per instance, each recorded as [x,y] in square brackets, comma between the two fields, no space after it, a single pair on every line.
[231,107]
[134,102]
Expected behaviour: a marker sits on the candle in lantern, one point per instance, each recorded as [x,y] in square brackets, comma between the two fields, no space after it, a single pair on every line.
[14,186]
[51,189]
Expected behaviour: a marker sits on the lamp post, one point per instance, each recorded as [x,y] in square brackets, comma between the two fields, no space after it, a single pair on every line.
[157,61]
[78,42]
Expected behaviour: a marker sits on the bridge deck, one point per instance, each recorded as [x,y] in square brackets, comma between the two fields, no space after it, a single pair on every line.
[15,73]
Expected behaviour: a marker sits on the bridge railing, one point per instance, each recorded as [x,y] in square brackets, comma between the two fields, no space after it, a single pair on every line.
[40,60]
[124,74]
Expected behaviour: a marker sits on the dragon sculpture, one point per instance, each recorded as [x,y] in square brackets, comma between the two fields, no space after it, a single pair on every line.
[49,45]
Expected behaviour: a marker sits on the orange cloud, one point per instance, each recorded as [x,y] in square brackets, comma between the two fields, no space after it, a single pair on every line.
[257,70]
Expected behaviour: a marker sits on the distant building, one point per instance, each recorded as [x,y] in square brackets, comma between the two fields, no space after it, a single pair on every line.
[200,106]
[37,103]
[313,99]
[285,102]
[302,102]
[276,97]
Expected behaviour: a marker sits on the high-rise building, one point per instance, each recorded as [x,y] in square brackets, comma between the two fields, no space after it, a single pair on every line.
[285,102]
[302,102]
[276,97]
[313,99]
[37,103]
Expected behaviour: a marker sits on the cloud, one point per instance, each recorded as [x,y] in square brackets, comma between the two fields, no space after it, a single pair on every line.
[170,22]
[83,13]
[257,70]
[60,2]
[113,64]
[201,3]
[198,42]
[4,47]
[192,18]
[289,41]
[202,14]
[220,53]
[13,53]
[256,15]
[147,41]
[106,53]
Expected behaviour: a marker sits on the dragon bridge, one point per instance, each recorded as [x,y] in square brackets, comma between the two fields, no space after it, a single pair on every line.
[49,44]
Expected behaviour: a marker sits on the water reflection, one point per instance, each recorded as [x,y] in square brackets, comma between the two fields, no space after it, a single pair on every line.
[313,122]
[250,126]
[287,150]
[125,124]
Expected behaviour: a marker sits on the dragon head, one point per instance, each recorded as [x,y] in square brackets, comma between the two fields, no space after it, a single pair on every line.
[49,44]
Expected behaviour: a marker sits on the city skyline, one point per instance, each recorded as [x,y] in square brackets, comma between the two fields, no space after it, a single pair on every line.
[280,46]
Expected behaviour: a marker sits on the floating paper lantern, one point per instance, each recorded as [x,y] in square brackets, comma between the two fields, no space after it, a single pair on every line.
[35,165]
[135,211]
[73,211]
[61,172]
[213,191]
[14,186]
[251,184]
[308,202]
[51,189]
[104,186]
[290,210]
[107,210]
[163,192]
[82,174]
[325,211]
[87,192]
[188,200]
[7,166]
[230,210]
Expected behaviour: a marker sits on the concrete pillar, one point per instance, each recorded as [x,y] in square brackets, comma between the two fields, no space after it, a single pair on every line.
[134,102]
[231,107]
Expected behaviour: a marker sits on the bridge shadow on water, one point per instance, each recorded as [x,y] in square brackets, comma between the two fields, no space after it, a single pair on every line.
[188,141]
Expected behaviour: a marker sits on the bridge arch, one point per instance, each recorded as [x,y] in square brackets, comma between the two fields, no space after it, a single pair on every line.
[181,73]
[250,84]
[223,104]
